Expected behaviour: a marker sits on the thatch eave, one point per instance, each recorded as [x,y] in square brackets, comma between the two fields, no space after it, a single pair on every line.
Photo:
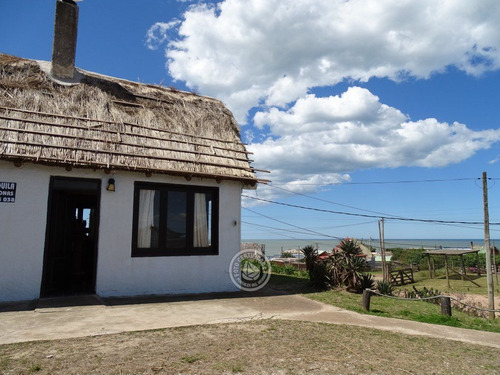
[19,161]
[101,122]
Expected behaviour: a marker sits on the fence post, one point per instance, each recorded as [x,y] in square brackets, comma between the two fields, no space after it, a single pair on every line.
[446,306]
[366,299]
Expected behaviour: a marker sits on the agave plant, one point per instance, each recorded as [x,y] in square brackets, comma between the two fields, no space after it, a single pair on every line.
[352,263]
[366,281]
[385,288]
[349,247]
[353,268]
[336,270]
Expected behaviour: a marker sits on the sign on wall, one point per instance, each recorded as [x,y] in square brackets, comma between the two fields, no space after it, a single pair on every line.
[7,192]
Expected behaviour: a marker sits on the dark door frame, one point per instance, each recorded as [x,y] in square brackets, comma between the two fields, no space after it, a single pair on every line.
[77,186]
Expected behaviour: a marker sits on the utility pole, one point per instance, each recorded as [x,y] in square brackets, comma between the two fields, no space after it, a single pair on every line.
[489,274]
[385,274]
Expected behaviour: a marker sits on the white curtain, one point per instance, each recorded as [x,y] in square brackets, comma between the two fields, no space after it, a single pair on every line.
[146,218]
[200,221]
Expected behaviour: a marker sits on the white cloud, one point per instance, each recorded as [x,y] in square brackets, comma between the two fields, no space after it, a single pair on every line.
[158,33]
[299,185]
[269,53]
[319,139]
[247,52]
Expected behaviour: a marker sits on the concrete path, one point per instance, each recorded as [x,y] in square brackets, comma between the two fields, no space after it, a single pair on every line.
[48,321]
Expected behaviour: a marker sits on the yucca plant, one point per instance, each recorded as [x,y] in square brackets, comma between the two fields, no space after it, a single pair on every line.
[352,263]
[337,270]
[366,281]
[350,247]
[352,271]
[385,288]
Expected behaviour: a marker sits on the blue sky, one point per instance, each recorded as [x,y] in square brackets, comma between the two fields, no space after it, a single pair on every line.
[331,96]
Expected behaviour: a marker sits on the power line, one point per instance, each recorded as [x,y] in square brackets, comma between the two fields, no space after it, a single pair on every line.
[279,234]
[375,245]
[391,182]
[465,226]
[328,201]
[275,228]
[305,232]
[361,209]
[411,181]
[292,225]
[397,218]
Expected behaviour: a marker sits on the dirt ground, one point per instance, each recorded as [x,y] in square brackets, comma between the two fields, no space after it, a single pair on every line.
[468,301]
[476,299]
[253,347]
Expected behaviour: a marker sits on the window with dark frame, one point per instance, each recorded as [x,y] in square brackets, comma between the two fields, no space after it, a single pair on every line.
[175,220]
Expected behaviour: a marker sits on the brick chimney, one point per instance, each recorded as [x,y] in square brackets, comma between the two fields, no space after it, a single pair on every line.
[64,47]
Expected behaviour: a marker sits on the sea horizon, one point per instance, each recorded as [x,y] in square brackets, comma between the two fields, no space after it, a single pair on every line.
[276,246]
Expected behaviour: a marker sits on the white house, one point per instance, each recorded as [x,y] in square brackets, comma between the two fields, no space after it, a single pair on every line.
[113,187]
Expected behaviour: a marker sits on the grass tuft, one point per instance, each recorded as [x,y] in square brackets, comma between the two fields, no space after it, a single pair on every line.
[192,358]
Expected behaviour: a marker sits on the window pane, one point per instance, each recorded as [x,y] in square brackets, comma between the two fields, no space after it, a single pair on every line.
[149,219]
[202,213]
[176,219]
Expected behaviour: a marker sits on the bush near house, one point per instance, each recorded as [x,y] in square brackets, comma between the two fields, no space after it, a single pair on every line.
[342,268]
[418,257]
[289,270]
[470,260]
[414,256]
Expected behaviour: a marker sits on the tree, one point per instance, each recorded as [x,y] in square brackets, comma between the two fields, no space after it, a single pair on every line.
[310,256]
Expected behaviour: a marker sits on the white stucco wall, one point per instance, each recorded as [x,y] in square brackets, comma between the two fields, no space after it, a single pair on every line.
[23,225]
[118,274]
[22,233]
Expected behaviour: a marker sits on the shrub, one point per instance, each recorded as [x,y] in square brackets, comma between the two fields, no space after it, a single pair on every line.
[352,264]
[426,293]
[366,281]
[385,288]
[302,273]
[411,256]
[320,274]
[282,269]
[342,268]
[289,270]
[470,260]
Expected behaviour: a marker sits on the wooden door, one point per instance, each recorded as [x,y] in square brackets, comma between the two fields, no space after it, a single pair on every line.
[71,237]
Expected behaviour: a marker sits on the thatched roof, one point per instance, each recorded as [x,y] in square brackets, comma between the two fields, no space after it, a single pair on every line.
[113,124]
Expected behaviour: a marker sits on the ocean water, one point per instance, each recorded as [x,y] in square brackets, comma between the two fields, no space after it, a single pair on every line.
[276,246]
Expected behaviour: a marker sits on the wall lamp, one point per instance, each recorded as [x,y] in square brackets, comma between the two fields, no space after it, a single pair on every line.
[111,185]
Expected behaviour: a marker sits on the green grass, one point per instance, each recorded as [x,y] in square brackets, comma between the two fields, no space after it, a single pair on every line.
[456,284]
[410,310]
[35,368]
[192,358]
